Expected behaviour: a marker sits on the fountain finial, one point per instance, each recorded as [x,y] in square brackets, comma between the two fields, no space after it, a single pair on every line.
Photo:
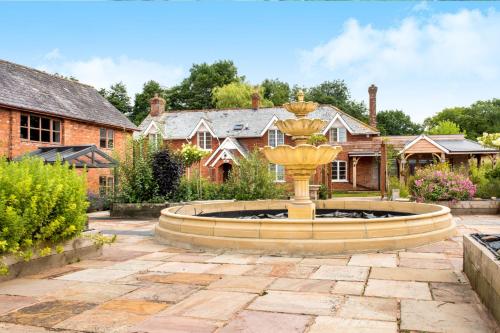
[300,95]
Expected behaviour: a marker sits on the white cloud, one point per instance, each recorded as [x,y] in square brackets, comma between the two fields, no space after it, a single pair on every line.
[421,65]
[421,7]
[53,55]
[103,72]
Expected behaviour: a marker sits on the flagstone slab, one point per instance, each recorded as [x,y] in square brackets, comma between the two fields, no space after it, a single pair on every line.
[102,321]
[135,306]
[175,324]
[294,302]
[185,278]
[414,274]
[422,255]
[15,328]
[32,287]
[144,247]
[239,259]
[210,304]
[324,261]
[302,285]
[371,308]
[374,260]
[425,263]
[436,316]
[93,263]
[11,302]
[278,260]
[191,257]
[324,324]
[96,275]
[348,288]
[246,284]
[135,265]
[91,292]
[170,293]
[283,270]
[184,267]
[232,269]
[342,273]
[46,314]
[398,289]
[453,292]
[54,272]
[160,256]
[118,253]
[256,321]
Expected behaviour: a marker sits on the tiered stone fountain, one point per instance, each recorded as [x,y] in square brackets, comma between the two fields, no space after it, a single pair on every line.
[302,159]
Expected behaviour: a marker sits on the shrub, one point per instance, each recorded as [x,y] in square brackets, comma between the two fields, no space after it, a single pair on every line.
[437,182]
[395,183]
[487,179]
[323,192]
[39,203]
[98,202]
[197,188]
[167,171]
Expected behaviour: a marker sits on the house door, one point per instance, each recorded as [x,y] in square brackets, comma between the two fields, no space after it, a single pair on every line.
[226,169]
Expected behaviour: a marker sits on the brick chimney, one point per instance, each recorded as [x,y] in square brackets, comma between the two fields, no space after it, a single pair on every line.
[255,100]
[372,91]
[157,106]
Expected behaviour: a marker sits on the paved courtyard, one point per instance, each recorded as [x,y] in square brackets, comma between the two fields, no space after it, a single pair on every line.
[138,285]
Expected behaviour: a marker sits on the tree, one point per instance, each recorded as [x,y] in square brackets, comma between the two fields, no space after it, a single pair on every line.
[445,127]
[237,95]
[142,101]
[396,122]
[337,94]
[195,91]
[118,96]
[491,140]
[480,117]
[276,91]
[167,171]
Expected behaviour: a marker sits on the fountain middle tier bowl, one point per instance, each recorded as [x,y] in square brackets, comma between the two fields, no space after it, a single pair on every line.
[304,155]
[301,126]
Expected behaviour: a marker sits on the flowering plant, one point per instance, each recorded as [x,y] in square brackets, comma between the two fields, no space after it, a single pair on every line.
[437,183]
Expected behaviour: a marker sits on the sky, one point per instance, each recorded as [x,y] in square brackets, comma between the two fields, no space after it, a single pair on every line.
[423,56]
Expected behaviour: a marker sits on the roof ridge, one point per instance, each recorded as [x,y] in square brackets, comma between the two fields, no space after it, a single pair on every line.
[348,115]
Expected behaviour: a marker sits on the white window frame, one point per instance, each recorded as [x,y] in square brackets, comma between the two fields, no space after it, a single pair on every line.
[336,178]
[277,135]
[278,171]
[338,138]
[202,140]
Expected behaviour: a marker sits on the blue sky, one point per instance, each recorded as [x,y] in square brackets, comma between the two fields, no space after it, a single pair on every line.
[423,56]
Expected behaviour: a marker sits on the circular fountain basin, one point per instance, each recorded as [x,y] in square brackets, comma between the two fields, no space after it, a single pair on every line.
[184,226]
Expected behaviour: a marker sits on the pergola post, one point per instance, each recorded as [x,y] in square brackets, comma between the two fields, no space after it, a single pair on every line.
[354,171]
[383,169]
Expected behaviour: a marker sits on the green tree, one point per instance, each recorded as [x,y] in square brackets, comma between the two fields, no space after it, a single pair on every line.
[396,122]
[237,95]
[195,91]
[445,127]
[480,117]
[118,96]
[276,91]
[142,101]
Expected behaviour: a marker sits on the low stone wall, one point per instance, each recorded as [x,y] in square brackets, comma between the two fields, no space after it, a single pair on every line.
[483,271]
[74,250]
[472,207]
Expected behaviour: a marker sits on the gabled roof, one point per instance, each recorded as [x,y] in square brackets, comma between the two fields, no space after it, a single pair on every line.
[229,144]
[180,124]
[426,138]
[33,90]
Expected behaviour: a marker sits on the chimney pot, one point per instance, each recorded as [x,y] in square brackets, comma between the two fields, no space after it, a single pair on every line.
[372,92]
[157,105]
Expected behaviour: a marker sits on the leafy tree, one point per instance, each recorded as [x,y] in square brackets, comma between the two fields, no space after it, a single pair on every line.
[142,101]
[490,140]
[480,117]
[118,96]
[71,77]
[396,122]
[167,171]
[237,95]
[445,127]
[276,91]
[195,91]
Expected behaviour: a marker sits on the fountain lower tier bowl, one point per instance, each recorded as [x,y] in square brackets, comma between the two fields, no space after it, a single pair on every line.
[303,156]
[414,224]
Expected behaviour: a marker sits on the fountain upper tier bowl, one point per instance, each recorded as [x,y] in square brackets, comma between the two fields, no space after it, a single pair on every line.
[304,156]
[301,126]
[301,108]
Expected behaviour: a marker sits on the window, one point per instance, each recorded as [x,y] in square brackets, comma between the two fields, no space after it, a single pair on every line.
[278,171]
[40,129]
[338,134]
[106,185]
[205,140]
[155,139]
[276,138]
[339,171]
[106,138]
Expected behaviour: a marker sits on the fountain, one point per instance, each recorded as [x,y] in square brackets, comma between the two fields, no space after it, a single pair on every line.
[296,226]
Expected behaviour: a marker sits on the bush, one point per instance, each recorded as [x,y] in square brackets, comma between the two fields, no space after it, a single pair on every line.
[98,202]
[395,183]
[39,203]
[437,182]
[197,188]
[487,180]
[167,171]
[323,192]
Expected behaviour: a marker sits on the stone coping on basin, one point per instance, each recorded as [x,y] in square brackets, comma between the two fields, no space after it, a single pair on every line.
[181,226]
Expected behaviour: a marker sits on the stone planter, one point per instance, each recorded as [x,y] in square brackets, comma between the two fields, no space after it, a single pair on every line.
[138,210]
[74,250]
[483,271]
[472,207]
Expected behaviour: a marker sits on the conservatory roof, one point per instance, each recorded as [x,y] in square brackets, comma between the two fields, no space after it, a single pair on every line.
[85,156]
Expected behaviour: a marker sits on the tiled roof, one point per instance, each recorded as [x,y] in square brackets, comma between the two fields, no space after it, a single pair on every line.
[180,124]
[27,88]
[463,146]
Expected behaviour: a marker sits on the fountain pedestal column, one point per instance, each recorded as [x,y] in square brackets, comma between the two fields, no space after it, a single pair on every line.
[301,207]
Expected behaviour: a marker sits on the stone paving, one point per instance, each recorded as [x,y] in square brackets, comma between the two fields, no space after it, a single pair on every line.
[138,285]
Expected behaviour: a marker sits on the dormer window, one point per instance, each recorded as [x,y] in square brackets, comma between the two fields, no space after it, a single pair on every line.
[205,140]
[338,134]
[276,138]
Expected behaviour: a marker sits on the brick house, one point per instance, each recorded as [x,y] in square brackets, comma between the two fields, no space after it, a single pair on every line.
[230,134]
[47,115]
